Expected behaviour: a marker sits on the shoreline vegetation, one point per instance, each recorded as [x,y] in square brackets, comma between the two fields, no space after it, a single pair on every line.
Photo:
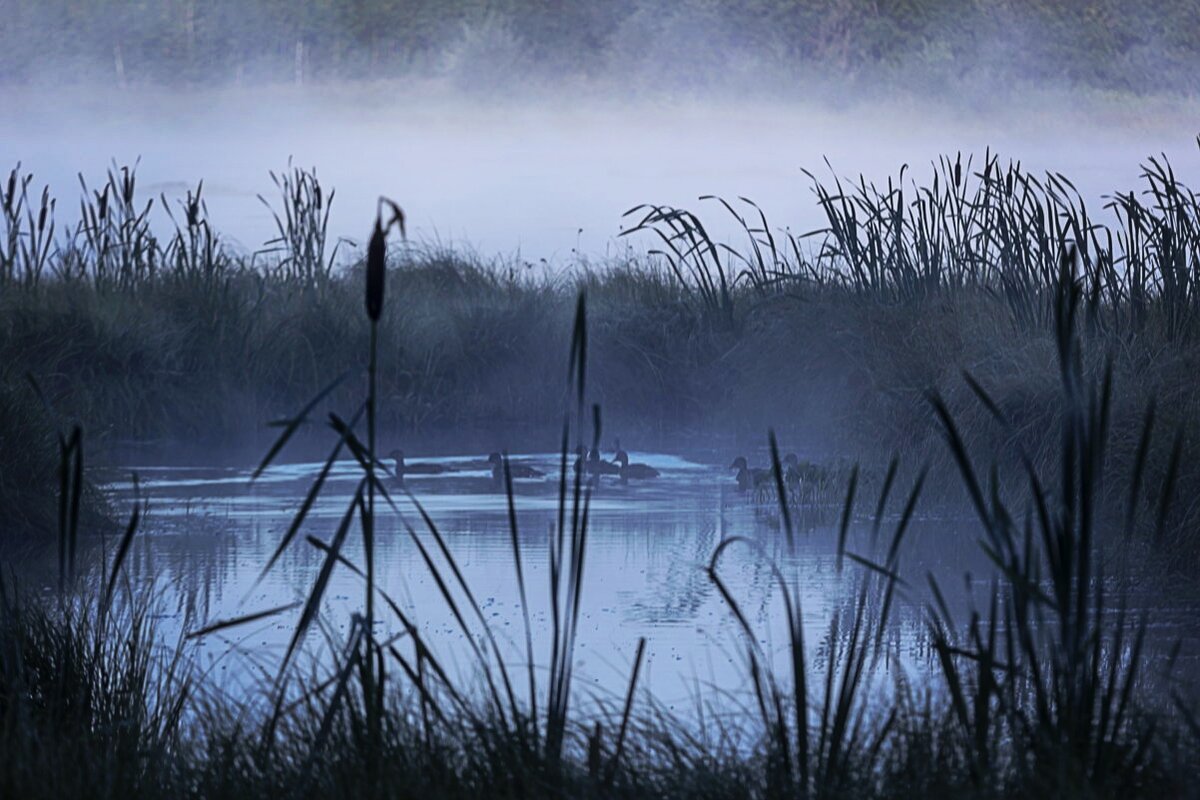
[176,341]
[1038,693]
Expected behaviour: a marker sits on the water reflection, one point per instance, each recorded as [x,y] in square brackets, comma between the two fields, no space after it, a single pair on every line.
[210,532]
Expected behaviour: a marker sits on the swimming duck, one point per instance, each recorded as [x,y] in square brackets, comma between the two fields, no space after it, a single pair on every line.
[637,472]
[593,464]
[748,478]
[597,465]
[622,458]
[514,469]
[420,468]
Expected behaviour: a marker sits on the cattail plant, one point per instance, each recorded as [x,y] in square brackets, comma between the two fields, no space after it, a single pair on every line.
[376,274]
[301,226]
[116,246]
[987,226]
[195,254]
[376,268]
[27,233]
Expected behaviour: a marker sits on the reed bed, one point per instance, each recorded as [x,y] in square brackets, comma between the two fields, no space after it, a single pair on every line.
[1037,695]
[992,226]
[183,338]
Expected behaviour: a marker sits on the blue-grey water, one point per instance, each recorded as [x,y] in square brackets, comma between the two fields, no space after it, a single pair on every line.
[210,531]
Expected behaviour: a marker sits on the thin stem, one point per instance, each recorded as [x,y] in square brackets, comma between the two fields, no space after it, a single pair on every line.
[369,683]
[368,529]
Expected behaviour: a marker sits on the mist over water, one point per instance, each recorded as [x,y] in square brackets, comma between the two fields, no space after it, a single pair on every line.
[910,512]
[548,175]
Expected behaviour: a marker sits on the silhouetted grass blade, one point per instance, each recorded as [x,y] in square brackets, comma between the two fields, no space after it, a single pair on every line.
[294,424]
[244,619]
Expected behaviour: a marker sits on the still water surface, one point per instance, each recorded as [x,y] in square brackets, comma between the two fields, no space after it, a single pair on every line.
[210,531]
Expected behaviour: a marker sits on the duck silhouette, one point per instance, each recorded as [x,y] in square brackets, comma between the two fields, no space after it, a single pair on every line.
[515,469]
[592,464]
[419,468]
[637,472]
[598,466]
[749,478]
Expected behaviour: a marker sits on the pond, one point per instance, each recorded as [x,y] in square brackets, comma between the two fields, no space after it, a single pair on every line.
[210,532]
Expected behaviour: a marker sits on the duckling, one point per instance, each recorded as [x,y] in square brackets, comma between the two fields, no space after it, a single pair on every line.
[638,472]
[420,468]
[750,479]
[515,469]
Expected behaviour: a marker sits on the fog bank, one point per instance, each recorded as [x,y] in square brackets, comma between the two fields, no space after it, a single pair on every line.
[542,177]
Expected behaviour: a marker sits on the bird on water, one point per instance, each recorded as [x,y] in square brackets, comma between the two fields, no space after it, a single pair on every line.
[403,467]
[749,478]
[515,469]
[635,471]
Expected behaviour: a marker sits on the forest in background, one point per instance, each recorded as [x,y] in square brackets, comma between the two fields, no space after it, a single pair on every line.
[1104,44]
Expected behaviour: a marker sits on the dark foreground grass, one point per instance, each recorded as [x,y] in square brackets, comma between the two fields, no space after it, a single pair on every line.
[1039,693]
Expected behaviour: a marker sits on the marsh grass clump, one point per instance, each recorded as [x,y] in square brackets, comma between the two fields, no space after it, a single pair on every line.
[302,227]
[82,709]
[113,244]
[1041,692]
[195,254]
[28,230]
[91,697]
[1048,659]
[994,227]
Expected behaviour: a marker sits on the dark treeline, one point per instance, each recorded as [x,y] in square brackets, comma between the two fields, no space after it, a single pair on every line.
[1101,43]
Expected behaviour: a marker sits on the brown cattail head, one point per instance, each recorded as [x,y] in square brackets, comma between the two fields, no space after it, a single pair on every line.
[376,269]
